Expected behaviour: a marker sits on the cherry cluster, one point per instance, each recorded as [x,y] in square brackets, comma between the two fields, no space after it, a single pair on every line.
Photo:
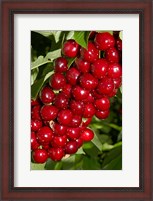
[66,105]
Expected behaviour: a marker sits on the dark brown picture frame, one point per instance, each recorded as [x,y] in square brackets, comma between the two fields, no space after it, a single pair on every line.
[11,7]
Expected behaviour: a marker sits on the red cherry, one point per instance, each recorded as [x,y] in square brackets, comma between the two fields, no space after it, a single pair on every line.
[71,147]
[56,154]
[70,48]
[45,135]
[89,99]
[114,70]
[82,66]
[59,141]
[66,89]
[34,102]
[46,95]
[35,113]
[99,68]
[40,155]
[73,133]
[113,93]
[92,35]
[102,104]
[105,86]
[34,143]
[87,135]
[72,75]
[116,34]
[79,142]
[61,65]
[57,81]
[104,41]
[117,82]
[119,44]
[91,54]
[59,129]
[112,55]
[96,95]
[77,107]
[79,93]
[76,120]
[35,125]
[102,114]
[49,112]
[89,110]
[61,101]
[64,117]
[45,146]
[88,81]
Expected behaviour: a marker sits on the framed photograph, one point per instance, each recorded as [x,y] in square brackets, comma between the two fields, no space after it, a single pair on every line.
[76,100]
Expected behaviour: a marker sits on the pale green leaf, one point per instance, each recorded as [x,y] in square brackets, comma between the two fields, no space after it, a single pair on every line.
[96,141]
[34,74]
[53,55]
[70,35]
[37,166]
[121,35]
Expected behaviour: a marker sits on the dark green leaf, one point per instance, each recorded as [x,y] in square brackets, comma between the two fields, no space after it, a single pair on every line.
[70,61]
[36,87]
[90,163]
[113,160]
[115,164]
[81,37]
[68,163]
[91,149]
[52,165]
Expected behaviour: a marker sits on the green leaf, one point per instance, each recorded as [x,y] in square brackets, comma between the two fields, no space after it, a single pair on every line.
[70,61]
[36,87]
[115,164]
[100,126]
[90,164]
[119,137]
[69,163]
[113,160]
[69,35]
[116,127]
[45,33]
[96,141]
[37,166]
[53,165]
[34,74]
[53,55]
[80,151]
[121,89]
[81,37]
[105,139]
[107,147]
[39,62]
[91,149]
[121,35]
